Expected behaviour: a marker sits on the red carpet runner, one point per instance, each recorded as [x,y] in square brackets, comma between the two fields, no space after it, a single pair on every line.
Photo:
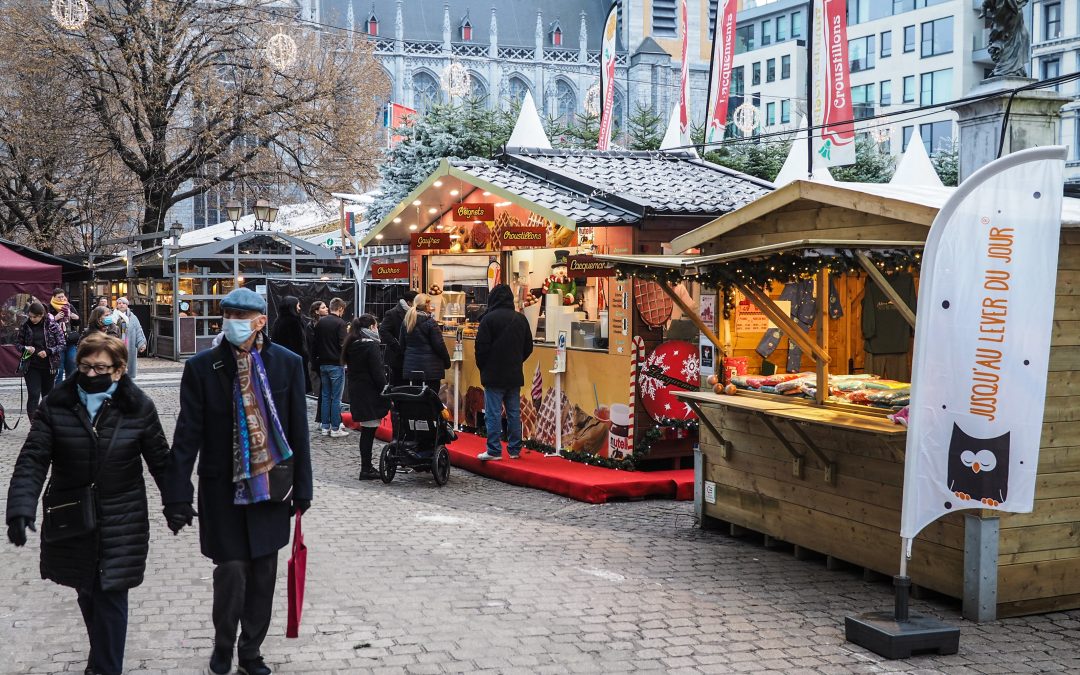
[585,483]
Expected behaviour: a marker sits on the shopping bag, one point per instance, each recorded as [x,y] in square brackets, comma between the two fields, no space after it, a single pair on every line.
[297,574]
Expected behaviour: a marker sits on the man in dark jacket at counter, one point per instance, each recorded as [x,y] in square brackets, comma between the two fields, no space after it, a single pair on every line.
[389,330]
[243,515]
[503,342]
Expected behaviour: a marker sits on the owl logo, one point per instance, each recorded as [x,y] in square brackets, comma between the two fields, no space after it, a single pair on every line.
[979,467]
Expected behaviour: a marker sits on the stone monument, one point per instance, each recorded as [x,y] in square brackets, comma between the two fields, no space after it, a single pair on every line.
[1034,115]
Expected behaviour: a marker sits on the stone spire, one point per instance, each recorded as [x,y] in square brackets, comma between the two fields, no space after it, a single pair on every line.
[539,55]
[493,50]
[446,27]
[399,29]
[583,40]
[350,19]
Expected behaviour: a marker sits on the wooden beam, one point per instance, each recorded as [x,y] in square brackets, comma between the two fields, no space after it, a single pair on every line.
[886,288]
[822,310]
[692,315]
[784,322]
[714,229]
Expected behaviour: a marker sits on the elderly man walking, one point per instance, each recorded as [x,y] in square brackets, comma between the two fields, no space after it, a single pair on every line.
[243,415]
[131,332]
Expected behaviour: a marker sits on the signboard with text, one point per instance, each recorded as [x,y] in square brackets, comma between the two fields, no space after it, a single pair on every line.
[523,237]
[430,241]
[588,266]
[482,211]
[397,270]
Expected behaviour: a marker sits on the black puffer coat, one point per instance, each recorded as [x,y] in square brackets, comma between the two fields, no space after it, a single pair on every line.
[389,332]
[503,342]
[63,439]
[366,380]
[425,350]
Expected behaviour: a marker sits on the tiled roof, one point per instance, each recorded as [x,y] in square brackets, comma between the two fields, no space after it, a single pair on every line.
[662,183]
[563,200]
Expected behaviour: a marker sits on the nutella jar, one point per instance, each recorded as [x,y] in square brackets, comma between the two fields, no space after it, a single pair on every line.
[619,433]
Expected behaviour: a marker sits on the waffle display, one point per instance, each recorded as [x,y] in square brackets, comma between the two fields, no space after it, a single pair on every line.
[529,418]
[545,429]
[480,235]
[653,304]
[503,220]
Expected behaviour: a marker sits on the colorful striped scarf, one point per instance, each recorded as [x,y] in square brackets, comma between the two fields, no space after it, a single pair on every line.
[258,439]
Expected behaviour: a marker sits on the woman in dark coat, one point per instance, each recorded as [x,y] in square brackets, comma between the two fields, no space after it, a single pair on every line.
[362,355]
[423,344]
[289,330]
[41,344]
[95,428]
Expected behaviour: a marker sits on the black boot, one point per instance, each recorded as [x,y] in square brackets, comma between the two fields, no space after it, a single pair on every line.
[221,660]
[367,440]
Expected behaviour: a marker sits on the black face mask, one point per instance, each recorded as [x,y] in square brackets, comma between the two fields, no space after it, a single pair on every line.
[94,384]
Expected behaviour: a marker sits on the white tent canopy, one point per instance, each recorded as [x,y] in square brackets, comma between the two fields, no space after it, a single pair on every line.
[795,165]
[528,130]
[915,167]
[673,135]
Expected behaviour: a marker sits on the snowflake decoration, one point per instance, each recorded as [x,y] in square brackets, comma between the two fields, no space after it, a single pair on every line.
[70,14]
[455,79]
[650,385]
[691,369]
[281,50]
[592,100]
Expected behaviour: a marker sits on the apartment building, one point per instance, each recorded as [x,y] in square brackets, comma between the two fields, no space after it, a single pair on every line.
[1055,47]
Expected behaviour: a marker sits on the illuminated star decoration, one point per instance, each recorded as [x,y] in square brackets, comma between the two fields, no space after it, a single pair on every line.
[281,50]
[70,14]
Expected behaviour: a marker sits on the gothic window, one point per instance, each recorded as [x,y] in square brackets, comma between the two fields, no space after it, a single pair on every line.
[373,24]
[466,29]
[565,104]
[477,89]
[555,34]
[517,89]
[426,92]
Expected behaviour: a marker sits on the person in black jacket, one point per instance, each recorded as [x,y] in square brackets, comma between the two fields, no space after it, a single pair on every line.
[330,335]
[503,342]
[240,527]
[41,345]
[289,330]
[96,427]
[389,330]
[423,345]
[316,311]
[362,355]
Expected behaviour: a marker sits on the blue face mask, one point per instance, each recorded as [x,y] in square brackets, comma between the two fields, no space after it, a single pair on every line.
[237,331]
[109,320]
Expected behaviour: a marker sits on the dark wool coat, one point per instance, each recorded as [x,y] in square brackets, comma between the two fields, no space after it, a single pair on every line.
[366,380]
[289,333]
[64,440]
[204,431]
[389,332]
[425,349]
[503,342]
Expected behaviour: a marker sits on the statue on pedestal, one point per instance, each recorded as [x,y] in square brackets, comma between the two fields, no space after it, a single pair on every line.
[1010,41]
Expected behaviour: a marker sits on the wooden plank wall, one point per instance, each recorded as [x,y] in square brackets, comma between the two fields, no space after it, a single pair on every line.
[1039,552]
[856,520]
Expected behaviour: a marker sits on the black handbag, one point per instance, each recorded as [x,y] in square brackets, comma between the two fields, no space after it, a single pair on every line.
[73,512]
[281,481]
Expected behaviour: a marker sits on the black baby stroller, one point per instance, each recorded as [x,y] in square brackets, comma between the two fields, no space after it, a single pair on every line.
[421,433]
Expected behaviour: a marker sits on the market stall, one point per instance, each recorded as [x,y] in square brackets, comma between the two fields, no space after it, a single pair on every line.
[535,219]
[804,441]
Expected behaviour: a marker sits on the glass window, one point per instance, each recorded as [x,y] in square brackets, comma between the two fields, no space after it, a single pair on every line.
[785,111]
[907,131]
[426,92]
[766,32]
[770,114]
[796,24]
[565,102]
[936,136]
[885,88]
[755,78]
[858,11]
[738,81]
[862,101]
[886,44]
[781,28]
[785,67]
[744,39]
[909,89]
[937,37]
[1051,68]
[1051,20]
[770,70]
[935,87]
[909,39]
[861,53]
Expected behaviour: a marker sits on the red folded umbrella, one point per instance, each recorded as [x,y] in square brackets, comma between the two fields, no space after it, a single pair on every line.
[297,575]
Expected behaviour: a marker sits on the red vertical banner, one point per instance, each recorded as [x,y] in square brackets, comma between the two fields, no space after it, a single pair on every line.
[607,78]
[684,75]
[834,141]
[723,55]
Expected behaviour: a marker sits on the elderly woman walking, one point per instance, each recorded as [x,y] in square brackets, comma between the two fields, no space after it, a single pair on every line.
[91,437]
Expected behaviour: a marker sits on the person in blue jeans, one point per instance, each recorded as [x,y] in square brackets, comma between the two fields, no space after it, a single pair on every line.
[503,343]
[330,334]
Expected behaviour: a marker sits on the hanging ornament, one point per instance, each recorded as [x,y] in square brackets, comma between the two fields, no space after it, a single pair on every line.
[880,134]
[281,50]
[592,100]
[455,79]
[746,118]
[70,14]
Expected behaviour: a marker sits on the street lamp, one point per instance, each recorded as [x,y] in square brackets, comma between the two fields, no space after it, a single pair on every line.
[265,214]
[233,209]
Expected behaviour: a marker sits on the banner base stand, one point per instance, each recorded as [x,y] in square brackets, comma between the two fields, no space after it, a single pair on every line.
[899,635]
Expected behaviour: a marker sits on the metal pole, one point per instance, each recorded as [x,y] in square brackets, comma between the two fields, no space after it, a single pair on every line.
[811,25]
[902,584]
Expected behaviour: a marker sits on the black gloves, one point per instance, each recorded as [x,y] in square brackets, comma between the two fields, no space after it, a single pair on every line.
[301,505]
[16,530]
[179,514]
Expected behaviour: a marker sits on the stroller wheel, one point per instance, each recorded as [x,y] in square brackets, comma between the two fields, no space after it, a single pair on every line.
[440,465]
[387,464]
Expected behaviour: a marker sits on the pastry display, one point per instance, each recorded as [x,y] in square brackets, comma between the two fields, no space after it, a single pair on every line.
[480,235]
[503,220]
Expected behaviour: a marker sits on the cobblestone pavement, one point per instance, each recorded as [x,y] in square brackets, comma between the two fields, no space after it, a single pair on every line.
[481,576]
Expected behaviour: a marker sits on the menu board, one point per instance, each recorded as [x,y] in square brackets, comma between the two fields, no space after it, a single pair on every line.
[620,317]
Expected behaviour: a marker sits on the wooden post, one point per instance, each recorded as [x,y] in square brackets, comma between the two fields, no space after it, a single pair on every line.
[878,278]
[784,322]
[822,367]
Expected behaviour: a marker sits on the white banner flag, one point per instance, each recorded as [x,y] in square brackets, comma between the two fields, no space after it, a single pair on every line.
[982,341]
